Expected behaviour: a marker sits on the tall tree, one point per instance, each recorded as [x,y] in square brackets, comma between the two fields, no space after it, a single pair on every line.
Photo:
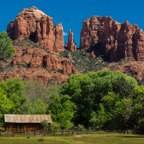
[62,110]
[6,46]
[16,93]
[5,104]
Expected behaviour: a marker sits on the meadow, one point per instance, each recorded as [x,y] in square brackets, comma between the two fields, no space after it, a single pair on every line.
[110,138]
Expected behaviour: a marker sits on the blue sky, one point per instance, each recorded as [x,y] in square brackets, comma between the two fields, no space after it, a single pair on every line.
[73,13]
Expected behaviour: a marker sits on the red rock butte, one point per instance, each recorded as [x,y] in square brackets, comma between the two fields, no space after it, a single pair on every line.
[111,39]
[38,27]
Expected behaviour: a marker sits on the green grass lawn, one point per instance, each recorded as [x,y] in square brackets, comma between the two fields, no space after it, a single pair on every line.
[75,139]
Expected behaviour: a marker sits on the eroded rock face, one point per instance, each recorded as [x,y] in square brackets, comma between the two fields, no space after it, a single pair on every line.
[37,64]
[111,39]
[71,44]
[37,26]
[132,68]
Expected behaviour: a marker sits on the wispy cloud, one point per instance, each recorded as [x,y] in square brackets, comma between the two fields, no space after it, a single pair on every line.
[65,34]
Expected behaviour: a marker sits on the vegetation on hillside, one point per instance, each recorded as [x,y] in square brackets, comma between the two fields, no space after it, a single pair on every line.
[25,42]
[83,64]
[6,46]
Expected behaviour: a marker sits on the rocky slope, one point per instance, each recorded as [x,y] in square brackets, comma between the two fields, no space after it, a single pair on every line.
[132,68]
[37,64]
[84,64]
[112,40]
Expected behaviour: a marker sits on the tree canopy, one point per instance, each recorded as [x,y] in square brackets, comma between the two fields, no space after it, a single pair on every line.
[103,98]
[6,46]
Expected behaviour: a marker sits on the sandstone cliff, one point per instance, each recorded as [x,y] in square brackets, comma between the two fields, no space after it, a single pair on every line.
[38,27]
[112,40]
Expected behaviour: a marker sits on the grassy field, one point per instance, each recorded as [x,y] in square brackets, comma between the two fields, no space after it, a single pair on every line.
[75,139]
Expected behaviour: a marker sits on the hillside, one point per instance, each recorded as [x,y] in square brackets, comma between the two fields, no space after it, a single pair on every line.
[83,63]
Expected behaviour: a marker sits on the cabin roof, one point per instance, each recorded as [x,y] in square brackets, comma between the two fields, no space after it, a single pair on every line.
[18,118]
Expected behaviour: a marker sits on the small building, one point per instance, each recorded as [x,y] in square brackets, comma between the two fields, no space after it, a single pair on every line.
[25,123]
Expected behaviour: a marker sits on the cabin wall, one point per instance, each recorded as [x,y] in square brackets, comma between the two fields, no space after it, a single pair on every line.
[23,127]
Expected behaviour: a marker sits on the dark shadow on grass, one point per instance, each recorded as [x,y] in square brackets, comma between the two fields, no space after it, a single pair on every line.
[133,136]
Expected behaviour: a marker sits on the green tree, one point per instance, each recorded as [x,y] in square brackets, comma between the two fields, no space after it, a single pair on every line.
[122,113]
[45,126]
[137,119]
[6,46]
[88,92]
[80,128]
[62,110]
[16,93]
[36,106]
[55,127]
[109,103]
[5,104]
[81,90]
[98,118]
[39,107]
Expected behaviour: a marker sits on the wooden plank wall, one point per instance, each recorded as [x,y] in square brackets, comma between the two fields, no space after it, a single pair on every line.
[22,127]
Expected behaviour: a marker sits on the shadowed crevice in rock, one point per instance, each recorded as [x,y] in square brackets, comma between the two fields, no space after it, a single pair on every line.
[99,51]
[33,37]
[134,48]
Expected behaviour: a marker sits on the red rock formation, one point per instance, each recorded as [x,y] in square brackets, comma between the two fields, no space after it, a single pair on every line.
[37,74]
[37,26]
[71,44]
[42,63]
[132,68]
[113,40]
[37,64]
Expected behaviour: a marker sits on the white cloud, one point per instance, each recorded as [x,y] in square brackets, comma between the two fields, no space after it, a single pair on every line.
[65,34]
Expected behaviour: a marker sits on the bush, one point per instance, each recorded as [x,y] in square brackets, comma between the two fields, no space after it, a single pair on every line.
[55,126]
[80,128]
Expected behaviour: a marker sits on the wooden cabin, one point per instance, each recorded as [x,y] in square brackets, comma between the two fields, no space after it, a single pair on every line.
[25,123]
